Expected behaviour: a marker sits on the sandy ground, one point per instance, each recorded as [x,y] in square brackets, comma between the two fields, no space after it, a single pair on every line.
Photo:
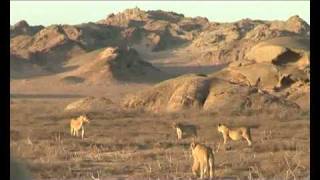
[123,144]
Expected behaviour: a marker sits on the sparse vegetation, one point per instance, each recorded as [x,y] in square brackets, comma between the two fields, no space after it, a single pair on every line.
[143,145]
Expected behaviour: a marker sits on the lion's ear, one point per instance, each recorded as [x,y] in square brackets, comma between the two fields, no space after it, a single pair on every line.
[174,124]
[193,145]
[219,124]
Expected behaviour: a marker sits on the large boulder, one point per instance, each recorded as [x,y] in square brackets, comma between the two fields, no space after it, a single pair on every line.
[226,96]
[268,53]
[280,51]
[265,74]
[271,65]
[171,95]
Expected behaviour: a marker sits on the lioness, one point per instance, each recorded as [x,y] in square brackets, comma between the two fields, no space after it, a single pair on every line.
[185,129]
[235,133]
[203,160]
[77,124]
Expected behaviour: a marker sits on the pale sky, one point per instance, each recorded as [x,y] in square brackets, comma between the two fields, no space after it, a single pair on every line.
[76,12]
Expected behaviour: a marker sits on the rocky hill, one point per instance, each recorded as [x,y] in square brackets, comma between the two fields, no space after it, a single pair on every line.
[211,42]
[227,42]
[205,93]
[23,28]
[268,61]
[112,64]
[275,70]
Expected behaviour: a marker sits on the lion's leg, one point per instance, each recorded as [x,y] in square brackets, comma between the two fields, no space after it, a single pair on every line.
[211,166]
[225,138]
[211,171]
[179,133]
[247,138]
[205,170]
[201,170]
[77,132]
[195,168]
[82,133]
[71,131]
[74,131]
[225,141]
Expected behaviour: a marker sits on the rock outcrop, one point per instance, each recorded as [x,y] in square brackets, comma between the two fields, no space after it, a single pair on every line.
[23,28]
[159,30]
[222,43]
[207,93]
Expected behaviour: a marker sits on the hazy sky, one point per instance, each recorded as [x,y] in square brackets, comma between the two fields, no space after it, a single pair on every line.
[76,12]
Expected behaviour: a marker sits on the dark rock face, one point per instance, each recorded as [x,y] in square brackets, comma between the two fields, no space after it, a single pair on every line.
[23,28]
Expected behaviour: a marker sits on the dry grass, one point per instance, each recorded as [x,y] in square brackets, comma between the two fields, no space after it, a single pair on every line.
[138,145]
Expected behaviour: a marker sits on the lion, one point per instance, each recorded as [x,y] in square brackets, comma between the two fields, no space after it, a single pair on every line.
[77,124]
[185,129]
[203,160]
[235,134]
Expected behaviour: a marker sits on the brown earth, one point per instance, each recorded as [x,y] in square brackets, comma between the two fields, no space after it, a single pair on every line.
[124,68]
[123,144]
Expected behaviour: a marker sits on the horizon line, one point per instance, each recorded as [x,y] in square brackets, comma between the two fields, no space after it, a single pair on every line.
[214,11]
